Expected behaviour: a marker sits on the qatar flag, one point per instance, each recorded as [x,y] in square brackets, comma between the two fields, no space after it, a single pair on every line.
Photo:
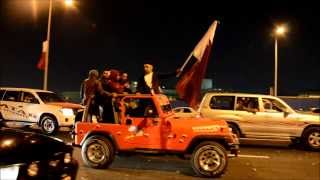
[194,69]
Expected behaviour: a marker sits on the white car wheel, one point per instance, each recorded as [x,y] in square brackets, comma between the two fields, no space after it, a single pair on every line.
[49,125]
[311,138]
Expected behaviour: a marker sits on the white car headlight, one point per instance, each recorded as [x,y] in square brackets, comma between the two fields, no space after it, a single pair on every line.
[10,172]
[67,112]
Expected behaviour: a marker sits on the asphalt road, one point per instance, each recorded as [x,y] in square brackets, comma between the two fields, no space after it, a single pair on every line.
[276,161]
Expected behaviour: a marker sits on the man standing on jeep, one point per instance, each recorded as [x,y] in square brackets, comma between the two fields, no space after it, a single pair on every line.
[149,83]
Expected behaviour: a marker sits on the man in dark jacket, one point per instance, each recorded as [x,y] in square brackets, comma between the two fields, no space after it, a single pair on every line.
[91,88]
[149,83]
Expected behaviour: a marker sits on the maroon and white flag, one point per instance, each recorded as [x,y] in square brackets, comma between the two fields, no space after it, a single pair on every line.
[194,69]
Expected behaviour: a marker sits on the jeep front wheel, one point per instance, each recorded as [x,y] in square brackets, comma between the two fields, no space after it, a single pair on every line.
[97,152]
[311,138]
[209,159]
[49,125]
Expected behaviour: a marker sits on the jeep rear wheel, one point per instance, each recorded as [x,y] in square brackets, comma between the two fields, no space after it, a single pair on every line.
[311,138]
[209,159]
[49,125]
[97,152]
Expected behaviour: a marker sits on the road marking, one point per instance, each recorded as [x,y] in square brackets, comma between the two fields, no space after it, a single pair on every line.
[249,156]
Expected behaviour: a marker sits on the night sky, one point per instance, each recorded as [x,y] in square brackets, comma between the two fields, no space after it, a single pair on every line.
[124,34]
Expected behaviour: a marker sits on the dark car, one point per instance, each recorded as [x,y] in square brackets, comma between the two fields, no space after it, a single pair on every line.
[28,155]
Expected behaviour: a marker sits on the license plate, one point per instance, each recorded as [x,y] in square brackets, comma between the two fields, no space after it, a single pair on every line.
[9,173]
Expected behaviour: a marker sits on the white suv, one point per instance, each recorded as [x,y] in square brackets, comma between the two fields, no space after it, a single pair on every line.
[262,117]
[25,107]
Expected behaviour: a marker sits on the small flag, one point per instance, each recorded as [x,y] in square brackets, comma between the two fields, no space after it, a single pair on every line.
[42,62]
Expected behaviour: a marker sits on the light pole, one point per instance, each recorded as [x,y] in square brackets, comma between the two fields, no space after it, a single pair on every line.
[68,3]
[279,31]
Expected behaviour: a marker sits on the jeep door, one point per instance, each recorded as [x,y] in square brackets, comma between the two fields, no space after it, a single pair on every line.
[143,123]
[11,108]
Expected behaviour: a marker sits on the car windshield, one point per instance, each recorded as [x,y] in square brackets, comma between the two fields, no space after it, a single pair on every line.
[48,97]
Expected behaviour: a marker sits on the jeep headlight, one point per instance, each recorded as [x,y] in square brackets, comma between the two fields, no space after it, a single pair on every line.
[67,112]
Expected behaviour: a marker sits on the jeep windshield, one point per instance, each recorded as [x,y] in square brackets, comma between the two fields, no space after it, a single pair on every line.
[48,97]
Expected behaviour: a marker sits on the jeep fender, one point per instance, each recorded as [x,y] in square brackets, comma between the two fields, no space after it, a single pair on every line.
[105,134]
[197,140]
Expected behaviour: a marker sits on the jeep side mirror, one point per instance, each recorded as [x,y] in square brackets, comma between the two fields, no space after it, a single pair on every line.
[128,122]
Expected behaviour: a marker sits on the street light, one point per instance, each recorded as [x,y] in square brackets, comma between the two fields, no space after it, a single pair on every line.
[68,3]
[279,31]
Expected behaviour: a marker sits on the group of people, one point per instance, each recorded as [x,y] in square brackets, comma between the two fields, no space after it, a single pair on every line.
[247,104]
[97,92]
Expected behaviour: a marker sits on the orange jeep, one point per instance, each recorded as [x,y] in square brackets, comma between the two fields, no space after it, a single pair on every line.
[146,123]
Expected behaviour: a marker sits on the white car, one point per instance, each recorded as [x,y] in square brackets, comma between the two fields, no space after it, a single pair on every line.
[262,117]
[185,112]
[24,106]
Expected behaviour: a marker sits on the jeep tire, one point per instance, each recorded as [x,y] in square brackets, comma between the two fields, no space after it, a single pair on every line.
[311,138]
[209,159]
[49,125]
[97,152]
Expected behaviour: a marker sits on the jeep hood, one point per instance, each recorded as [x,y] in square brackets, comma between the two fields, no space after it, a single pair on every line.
[66,105]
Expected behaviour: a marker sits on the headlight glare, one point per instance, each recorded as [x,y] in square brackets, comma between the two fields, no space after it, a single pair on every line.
[67,112]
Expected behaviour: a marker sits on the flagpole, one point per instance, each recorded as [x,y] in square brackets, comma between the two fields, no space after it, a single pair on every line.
[45,81]
[184,64]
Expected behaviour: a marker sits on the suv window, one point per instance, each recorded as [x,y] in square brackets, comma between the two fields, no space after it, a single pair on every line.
[247,104]
[222,102]
[140,107]
[29,98]
[1,94]
[48,97]
[272,105]
[12,96]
